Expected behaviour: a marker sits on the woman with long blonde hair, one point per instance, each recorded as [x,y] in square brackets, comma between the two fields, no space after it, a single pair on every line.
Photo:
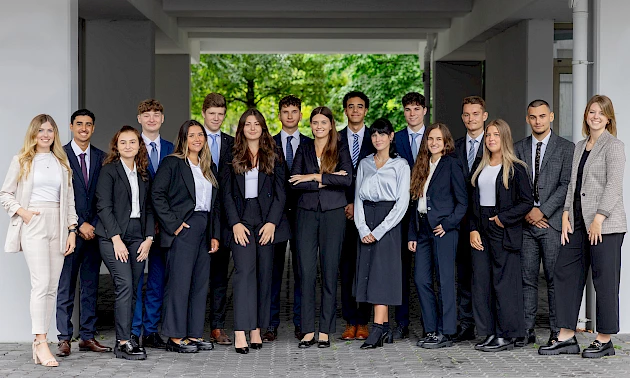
[502,196]
[38,195]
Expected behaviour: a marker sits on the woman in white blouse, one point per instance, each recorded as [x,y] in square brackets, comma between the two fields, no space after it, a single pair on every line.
[37,193]
[381,201]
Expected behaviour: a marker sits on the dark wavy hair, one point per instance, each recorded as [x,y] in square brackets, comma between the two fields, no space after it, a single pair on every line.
[141,159]
[383,126]
[330,155]
[243,160]
[421,168]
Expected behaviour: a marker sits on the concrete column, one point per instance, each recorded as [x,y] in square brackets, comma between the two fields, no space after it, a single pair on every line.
[519,69]
[454,81]
[611,79]
[119,73]
[172,89]
[38,72]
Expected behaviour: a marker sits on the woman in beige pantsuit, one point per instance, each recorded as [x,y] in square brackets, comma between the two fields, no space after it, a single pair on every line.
[37,193]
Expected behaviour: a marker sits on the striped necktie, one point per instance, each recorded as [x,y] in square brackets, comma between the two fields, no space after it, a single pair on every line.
[355,149]
[289,152]
[471,153]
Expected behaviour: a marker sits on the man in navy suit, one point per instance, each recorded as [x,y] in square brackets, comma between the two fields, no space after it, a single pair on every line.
[357,137]
[213,113]
[408,142]
[469,150]
[85,161]
[145,323]
[289,138]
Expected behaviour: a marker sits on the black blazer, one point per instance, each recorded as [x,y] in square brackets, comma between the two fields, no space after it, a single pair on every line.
[292,196]
[85,198]
[113,211]
[271,198]
[366,148]
[512,205]
[173,196]
[447,198]
[333,195]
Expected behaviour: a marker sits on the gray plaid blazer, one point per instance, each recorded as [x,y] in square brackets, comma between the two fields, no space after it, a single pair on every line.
[602,183]
[555,174]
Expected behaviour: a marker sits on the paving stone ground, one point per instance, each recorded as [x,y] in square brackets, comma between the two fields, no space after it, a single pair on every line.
[282,358]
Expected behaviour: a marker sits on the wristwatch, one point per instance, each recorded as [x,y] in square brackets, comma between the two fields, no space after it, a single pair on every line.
[73,230]
[150,238]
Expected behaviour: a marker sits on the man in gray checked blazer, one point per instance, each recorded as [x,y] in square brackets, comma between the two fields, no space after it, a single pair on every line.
[549,158]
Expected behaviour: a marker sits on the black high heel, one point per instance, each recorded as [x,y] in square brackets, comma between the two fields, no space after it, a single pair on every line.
[244,350]
[377,337]
[256,346]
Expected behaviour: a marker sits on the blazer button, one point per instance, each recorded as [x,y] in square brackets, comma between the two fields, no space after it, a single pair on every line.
[428,208]
[583,194]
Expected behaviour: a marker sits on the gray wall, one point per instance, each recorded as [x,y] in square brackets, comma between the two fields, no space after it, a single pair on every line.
[172,89]
[119,73]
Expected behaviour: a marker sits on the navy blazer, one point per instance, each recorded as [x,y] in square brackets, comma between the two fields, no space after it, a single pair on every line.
[403,148]
[366,148]
[292,196]
[271,198]
[460,152]
[85,198]
[447,198]
[166,148]
[511,206]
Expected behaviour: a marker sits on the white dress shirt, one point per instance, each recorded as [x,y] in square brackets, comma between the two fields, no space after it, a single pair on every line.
[487,181]
[351,133]
[418,137]
[210,141]
[295,142]
[479,140]
[422,201]
[543,148]
[78,151]
[46,178]
[148,141]
[132,176]
[251,183]
[203,188]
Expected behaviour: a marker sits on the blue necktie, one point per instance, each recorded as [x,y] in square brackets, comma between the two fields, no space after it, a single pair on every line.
[214,149]
[471,153]
[289,152]
[355,149]
[414,145]
[154,156]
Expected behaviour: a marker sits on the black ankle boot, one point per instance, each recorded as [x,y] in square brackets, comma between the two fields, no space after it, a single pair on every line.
[375,339]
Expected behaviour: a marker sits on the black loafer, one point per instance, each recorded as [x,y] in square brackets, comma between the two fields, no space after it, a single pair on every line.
[426,337]
[129,351]
[498,344]
[464,334]
[552,336]
[569,346]
[598,349]
[153,341]
[323,344]
[184,346]
[438,341]
[202,344]
[307,344]
[485,342]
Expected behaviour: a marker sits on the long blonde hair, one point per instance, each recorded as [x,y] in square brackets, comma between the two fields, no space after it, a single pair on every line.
[205,157]
[508,158]
[28,150]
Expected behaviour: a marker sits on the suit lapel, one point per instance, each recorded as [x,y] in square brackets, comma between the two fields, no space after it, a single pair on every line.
[93,162]
[240,181]
[365,145]
[549,150]
[74,163]
[261,180]
[189,180]
[528,151]
[141,185]
[599,144]
[437,170]
[407,147]
[123,177]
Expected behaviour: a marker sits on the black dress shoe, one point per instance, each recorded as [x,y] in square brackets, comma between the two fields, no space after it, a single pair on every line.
[129,351]
[136,339]
[425,338]
[498,344]
[485,342]
[270,335]
[298,333]
[255,346]
[552,336]
[400,332]
[569,346]
[529,339]
[184,346]
[464,334]
[598,349]
[202,344]
[307,343]
[438,340]
[323,344]
[244,350]
[153,341]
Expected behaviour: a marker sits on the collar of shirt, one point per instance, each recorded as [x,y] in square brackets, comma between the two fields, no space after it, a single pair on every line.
[545,141]
[148,141]
[208,133]
[78,151]
[361,133]
[284,135]
[420,132]
[127,170]
[434,165]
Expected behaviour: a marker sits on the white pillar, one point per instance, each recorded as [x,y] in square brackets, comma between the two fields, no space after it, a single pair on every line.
[39,74]
[580,65]
[611,53]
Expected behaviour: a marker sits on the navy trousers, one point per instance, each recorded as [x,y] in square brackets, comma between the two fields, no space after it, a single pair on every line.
[148,310]
[280,250]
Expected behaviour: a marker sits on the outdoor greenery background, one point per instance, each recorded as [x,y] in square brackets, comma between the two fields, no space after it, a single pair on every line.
[262,80]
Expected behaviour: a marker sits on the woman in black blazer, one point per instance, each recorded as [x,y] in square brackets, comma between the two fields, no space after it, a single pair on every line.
[184,195]
[253,193]
[502,196]
[321,173]
[126,228]
[440,201]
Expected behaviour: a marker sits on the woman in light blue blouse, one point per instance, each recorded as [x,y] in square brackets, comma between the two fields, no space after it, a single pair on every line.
[382,198]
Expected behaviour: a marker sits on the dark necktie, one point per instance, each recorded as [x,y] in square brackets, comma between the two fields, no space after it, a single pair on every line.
[537,172]
[84,170]
[289,152]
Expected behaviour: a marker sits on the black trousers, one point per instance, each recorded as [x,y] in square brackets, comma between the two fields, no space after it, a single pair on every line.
[187,280]
[570,273]
[353,312]
[125,275]
[401,313]
[85,264]
[321,231]
[219,265]
[463,261]
[279,252]
[497,284]
[253,265]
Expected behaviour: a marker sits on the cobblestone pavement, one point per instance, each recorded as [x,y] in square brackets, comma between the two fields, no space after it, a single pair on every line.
[343,359]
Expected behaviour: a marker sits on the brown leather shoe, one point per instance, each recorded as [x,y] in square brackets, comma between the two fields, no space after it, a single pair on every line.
[362,332]
[92,345]
[270,335]
[350,333]
[63,348]
[221,337]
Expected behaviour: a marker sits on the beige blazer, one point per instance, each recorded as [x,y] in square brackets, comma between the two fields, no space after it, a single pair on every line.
[14,195]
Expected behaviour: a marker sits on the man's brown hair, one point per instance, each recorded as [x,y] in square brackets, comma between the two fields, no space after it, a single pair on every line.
[150,105]
[213,100]
[474,100]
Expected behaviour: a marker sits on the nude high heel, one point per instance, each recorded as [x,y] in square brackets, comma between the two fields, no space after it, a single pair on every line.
[48,363]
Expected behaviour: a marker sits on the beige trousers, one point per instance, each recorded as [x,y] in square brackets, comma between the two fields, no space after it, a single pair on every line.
[40,243]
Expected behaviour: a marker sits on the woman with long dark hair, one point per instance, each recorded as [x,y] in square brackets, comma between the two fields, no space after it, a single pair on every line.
[321,173]
[254,196]
[440,200]
[380,203]
[125,229]
[184,194]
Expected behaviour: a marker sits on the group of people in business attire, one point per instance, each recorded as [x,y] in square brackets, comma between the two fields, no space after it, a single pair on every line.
[476,216]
